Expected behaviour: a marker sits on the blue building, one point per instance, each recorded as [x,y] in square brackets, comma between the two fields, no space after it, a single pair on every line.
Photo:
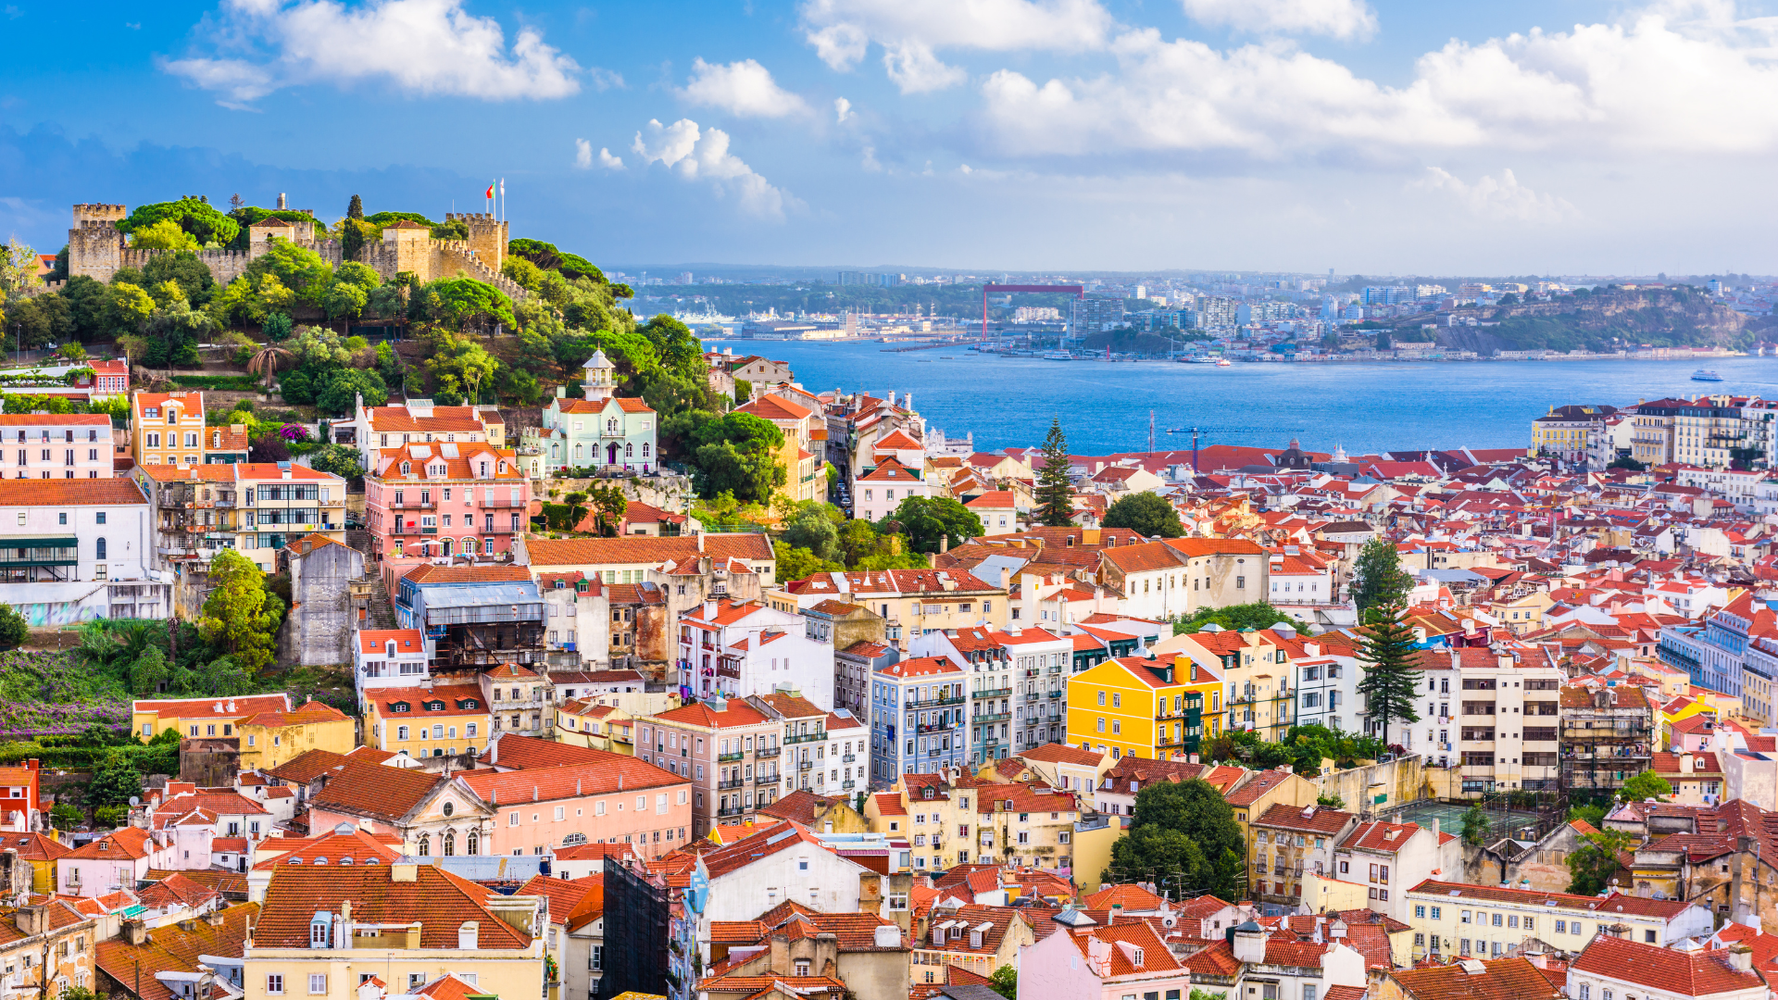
[917,718]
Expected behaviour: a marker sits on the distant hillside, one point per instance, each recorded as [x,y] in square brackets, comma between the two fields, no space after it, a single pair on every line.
[1604,321]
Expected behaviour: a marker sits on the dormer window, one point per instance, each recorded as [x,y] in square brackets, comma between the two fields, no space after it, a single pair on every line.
[320,926]
[484,470]
[435,706]
[406,468]
[1136,959]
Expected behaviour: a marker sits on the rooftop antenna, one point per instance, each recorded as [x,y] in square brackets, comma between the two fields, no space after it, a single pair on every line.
[1151,432]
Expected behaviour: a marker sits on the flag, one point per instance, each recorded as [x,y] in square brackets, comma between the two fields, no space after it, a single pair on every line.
[490,193]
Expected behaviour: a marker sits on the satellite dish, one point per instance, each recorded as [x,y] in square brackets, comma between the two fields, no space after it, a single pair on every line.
[135,801]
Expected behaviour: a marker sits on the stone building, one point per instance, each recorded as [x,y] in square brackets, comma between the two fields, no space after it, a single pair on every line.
[97,248]
[321,616]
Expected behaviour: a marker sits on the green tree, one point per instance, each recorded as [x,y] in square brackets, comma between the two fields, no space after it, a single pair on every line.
[1004,981]
[114,781]
[1476,827]
[130,307]
[163,235]
[13,628]
[342,460]
[814,529]
[797,563]
[466,304]
[194,215]
[1234,617]
[1591,866]
[1147,514]
[1055,494]
[86,300]
[64,817]
[337,393]
[240,617]
[1378,576]
[1184,836]
[1647,785]
[300,270]
[931,523]
[460,364]
[18,269]
[1389,656]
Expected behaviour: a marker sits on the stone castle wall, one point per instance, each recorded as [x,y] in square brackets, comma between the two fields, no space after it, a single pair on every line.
[97,249]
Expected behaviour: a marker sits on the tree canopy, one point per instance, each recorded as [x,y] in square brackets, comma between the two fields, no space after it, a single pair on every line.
[932,523]
[1147,514]
[193,215]
[1378,577]
[1055,494]
[1234,617]
[1184,838]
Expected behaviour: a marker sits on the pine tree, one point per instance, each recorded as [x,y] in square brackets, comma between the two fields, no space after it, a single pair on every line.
[1055,496]
[1391,678]
[355,210]
[1378,578]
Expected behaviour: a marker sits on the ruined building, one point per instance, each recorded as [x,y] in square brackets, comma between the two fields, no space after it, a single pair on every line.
[97,248]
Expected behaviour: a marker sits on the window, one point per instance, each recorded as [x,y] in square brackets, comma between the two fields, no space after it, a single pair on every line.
[1586,991]
[317,982]
[274,983]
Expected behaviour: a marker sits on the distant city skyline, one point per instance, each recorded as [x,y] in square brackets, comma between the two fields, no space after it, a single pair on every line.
[1577,138]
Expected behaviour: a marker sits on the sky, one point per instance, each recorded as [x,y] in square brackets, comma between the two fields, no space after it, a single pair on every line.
[1363,136]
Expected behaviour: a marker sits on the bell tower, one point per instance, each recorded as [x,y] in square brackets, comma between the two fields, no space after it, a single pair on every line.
[600,381]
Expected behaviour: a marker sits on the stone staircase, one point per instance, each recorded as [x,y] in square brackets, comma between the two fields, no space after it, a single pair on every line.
[381,612]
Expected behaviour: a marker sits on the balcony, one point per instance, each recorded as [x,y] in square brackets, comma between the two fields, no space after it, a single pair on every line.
[736,783]
[1033,695]
[731,811]
[1004,692]
[767,752]
[990,717]
[767,779]
[729,756]
[414,505]
[848,758]
[808,738]
[848,785]
[955,699]
[805,765]
[1055,694]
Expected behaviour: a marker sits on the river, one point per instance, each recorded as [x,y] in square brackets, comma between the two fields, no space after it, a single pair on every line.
[1364,408]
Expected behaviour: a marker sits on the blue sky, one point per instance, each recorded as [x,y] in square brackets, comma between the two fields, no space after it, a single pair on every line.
[1371,136]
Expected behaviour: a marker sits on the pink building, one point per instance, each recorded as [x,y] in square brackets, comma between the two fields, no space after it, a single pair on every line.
[117,861]
[619,800]
[443,499]
[1087,960]
[19,801]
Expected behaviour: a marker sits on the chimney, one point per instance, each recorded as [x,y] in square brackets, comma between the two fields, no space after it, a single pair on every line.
[1435,836]
[135,931]
[404,873]
[32,920]
[1741,957]
[887,936]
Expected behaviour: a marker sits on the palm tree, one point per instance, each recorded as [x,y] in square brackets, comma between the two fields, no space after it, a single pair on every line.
[265,361]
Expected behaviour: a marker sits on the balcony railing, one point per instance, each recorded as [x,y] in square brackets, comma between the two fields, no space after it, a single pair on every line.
[768,752]
[730,756]
[807,738]
[767,779]
[736,783]
[992,693]
[990,717]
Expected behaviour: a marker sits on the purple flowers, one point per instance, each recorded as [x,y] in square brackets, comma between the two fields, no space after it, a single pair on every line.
[293,433]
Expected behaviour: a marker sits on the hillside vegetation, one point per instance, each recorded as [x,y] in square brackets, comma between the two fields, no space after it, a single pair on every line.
[1605,321]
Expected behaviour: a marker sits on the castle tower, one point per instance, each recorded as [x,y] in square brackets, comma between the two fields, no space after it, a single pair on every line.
[95,247]
[600,382]
[487,236]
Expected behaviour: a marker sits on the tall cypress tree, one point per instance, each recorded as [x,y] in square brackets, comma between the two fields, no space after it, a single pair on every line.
[1391,672]
[1055,496]
[355,210]
[1378,578]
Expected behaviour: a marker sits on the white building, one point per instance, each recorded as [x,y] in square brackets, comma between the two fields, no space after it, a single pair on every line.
[779,864]
[1487,921]
[385,658]
[1612,967]
[738,649]
[877,493]
[1029,664]
[1327,690]
[55,446]
[72,550]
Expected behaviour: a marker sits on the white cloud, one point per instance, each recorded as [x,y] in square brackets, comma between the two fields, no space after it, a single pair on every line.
[1339,18]
[1649,84]
[742,88]
[842,109]
[583,154]
[1501,199]
[608,161]
[428,47]
[702,154]
[912,32]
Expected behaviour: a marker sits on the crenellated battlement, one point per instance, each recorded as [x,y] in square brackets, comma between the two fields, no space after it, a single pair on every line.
[99,213]
[97,225]
[470,216]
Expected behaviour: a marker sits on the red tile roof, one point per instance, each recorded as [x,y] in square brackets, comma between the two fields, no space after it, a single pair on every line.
[1692,974]
[1501,979]
[439,901]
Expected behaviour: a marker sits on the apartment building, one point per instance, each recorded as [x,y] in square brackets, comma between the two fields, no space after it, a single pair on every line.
[1459,920]
[429,721]
[254,508]
[911,601]
[519,699]
[826,753]
[1607,735]
[320,926]
[1389,859]
[55,446]
[805,443]
[79,549]
[1135,706]
[617,799]
[918,718]
[1032,714]
[733,649]
[168,428]
[730,750]
[1568,433]
[1508,731]
[1291,843]
[417,421]
[425,501]
[1177,576]
[1258,671]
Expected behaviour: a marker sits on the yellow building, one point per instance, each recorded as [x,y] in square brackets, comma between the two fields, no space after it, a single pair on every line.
[805,434]
[168,428]
[201,717]
[582,722]
[1676,711]
[271,738]
[1522,614]
[321,929]
[1257,666]
[959,819]
[1148,708]
[428,722]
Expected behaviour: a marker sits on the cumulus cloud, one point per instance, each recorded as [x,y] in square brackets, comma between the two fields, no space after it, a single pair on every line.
[842,110]
[742,88]
[703,154]
[1501,199]
[427,47]
[1338,18]
[1655,82]
[912,32]
[608,161]
[583,154]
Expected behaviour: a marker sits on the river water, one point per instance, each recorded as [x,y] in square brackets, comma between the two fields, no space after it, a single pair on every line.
[1008,402]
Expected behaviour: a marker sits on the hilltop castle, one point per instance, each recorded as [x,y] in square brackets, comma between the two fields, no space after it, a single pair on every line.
[96,248]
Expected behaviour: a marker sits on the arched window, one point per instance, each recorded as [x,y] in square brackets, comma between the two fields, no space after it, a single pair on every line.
[99,552]
[645,449]
[469,546]
[473,843]
[629,451]
[406,467]
[425,845]
[450,844]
